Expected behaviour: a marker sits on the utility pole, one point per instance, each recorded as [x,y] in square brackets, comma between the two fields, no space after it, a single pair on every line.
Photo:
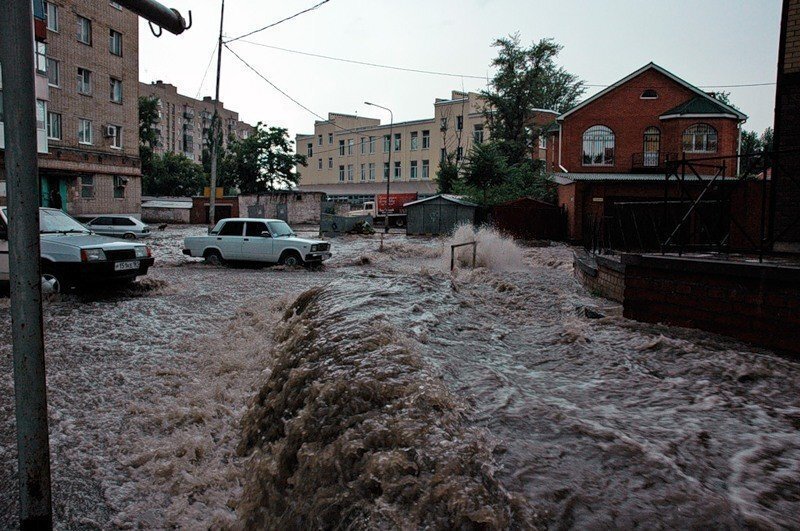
[214,148]
[388,177]
[22,179]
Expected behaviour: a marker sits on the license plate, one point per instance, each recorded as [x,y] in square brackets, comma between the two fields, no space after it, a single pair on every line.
[126,266]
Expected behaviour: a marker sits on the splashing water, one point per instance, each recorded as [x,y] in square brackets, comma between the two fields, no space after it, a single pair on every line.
[494,251]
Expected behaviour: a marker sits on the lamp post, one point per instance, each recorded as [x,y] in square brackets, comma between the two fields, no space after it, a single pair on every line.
[388,177]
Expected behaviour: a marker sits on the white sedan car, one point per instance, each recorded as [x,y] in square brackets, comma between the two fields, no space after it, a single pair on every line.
[127,227]
[256,240]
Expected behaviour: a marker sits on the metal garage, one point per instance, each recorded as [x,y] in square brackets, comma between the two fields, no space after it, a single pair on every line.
[439,214]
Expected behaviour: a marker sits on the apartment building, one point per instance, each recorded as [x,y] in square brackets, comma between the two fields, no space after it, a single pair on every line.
[90,59]
[615,146]
[183,122]
[348,156]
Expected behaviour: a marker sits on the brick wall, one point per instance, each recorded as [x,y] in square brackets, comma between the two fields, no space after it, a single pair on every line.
[103,201]
[756,303]
[600,275]
[301,208]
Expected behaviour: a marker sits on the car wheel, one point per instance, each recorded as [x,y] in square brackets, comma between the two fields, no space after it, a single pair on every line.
[291,259]
[53,282]
[129,236]
[399,222]
[213,258]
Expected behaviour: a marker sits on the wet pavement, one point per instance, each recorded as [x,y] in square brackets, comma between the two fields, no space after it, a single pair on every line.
[595,422]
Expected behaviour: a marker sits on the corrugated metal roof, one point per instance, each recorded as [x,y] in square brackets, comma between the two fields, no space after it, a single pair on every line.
[697,105]
[447,197]
[566,178]
[399,187]
[167,204]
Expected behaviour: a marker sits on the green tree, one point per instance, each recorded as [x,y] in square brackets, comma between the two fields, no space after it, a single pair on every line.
[486,167]
[262,162]
[526,79]
[767,139]
[174,174]
[447,175]
[148,139]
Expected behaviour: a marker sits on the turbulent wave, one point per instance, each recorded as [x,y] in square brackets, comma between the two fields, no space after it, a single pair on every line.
[353,430]
[494,251]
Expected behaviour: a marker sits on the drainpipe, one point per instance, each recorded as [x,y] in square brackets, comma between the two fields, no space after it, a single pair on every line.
[739,152]
[559,148]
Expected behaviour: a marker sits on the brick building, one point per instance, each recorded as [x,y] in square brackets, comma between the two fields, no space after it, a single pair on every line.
[615,146]
[88,57]
[786,173]
[183,122]
[348,155]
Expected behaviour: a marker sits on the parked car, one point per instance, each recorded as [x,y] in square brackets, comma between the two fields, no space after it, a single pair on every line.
[71,255]
[127,227]
[256,240]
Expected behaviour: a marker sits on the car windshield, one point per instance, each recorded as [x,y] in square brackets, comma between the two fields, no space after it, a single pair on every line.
[51,221]
[280,228]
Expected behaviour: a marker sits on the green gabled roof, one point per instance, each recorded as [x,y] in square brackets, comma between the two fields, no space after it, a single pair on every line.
[699,105]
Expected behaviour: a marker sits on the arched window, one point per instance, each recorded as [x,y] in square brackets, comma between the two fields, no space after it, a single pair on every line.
[700,138]
[652,146]
[598,146]
[649,94]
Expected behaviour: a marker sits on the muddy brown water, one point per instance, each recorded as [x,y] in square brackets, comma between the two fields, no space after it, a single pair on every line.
[591,422]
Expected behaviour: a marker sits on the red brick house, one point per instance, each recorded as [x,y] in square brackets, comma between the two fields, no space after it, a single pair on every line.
[614,146]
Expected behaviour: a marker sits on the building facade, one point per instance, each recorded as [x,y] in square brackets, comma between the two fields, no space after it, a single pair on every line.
[183,122]
[348,156]
[616,145]
[87,58]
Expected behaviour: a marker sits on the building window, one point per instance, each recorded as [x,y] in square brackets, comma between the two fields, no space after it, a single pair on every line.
[52,17]
[341,174]
[115,42]
[426,140]
[542,141]
[443,124]
[398,170]
[363,142]
[459,123]
[414,141]
[119,186]
[41,57]
[413,174]
[84,30]
[116,90]
[319,140]
[53,72]
[397,141]
[330,138]
[350,172]
[310,149]
[350,144]
[41,115]
[598,146]
[700,138]
[649,94]
[330,163]
[87,186]
[477,134]
[442,155]
[319,164]
[426,169]
[459,153]
[385,171]
[371,171]
[53,126]
[341,148]
[114,132]
[84,131]
[652,146]
[363,171]
[387,142]
[84,81]
[372,144]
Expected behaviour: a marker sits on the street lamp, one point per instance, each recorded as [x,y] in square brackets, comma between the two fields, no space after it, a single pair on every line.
[388,177]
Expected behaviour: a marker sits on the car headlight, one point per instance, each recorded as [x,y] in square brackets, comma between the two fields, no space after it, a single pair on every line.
[314,247]
[142,251]
[93,255]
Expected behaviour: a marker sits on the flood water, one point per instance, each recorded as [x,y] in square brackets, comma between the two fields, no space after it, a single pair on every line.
[544,414]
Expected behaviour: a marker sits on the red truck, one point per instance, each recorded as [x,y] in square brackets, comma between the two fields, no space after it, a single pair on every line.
[394,205]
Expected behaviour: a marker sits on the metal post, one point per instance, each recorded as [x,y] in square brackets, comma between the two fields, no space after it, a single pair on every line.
[214,122]
[22,178]
[389,177]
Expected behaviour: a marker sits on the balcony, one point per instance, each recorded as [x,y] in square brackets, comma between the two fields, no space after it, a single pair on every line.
[652,161]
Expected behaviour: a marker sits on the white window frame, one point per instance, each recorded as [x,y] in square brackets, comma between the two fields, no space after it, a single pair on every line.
[414,141]
[50,124]
[363,172]
[52,16]
[398,169]
[84,81]
[692,131]
[82,130]
[40,52]
[598,138]
[87,184]
[81,30]
[426,169]
[341,173]
[53,70]
[371,171]
[116,138]
[398,141]
[114,82]
[413,171]
[350,173]
[426,140]
[371,145]
[112,33]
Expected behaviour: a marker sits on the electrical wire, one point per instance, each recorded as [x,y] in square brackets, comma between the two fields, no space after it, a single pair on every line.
[312,8]
[208,66]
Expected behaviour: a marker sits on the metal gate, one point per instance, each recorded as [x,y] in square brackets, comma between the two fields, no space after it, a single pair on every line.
[282,211]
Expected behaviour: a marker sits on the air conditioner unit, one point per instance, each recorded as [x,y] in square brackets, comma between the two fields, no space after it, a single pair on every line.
[111,130]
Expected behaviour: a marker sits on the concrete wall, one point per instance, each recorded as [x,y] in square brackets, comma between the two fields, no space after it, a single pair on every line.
[166,215]
[601,275]
[302,208]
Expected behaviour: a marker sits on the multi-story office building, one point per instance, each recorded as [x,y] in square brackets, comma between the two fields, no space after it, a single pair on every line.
[348,156]
[183,122]
[87,67]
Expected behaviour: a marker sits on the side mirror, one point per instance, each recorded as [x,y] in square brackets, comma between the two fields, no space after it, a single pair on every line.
[266,234]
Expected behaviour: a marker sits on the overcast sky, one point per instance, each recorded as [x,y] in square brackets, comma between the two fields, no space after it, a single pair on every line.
[706,42]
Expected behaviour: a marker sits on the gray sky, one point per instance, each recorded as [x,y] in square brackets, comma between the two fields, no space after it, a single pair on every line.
[706,42]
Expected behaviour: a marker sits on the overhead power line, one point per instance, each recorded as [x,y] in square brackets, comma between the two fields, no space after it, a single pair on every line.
[439,73]
[312,8]
[208,66]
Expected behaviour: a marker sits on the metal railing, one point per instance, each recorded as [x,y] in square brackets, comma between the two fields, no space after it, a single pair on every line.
[453,248]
